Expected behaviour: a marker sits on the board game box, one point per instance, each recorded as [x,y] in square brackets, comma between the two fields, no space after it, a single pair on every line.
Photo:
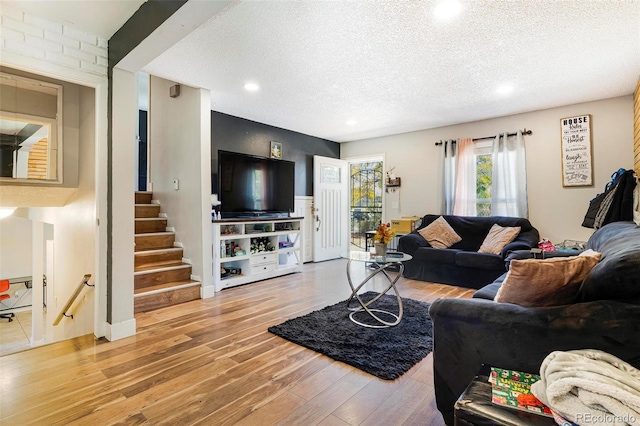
[513,389]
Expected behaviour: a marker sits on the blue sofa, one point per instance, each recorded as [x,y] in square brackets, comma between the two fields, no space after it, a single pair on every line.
[461,264]
[605,315]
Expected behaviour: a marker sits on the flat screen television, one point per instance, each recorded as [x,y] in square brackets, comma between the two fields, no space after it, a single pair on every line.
[249,185]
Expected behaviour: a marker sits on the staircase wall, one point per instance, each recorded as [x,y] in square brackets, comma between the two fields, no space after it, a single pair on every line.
[120,318]
[180,148]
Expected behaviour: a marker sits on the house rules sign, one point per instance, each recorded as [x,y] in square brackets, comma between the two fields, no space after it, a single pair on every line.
[577,164]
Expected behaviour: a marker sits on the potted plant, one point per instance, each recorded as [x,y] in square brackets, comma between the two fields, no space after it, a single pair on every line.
[383,236]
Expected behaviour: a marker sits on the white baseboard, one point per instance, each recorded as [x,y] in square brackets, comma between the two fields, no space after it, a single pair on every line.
[38,342]
[120,330]
[206,292]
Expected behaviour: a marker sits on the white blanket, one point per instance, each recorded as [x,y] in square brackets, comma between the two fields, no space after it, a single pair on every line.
[590,387]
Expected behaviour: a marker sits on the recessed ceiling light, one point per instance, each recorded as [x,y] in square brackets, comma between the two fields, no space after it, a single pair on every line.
[351,122]
[447,9]
[251,87]
[504,89]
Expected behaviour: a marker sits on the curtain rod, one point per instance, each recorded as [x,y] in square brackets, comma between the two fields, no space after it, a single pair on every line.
[524,132]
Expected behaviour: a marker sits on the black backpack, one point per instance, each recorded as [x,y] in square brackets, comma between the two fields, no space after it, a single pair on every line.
[613,204]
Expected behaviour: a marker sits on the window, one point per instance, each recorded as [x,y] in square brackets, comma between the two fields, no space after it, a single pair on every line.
[484,171]
[489,176]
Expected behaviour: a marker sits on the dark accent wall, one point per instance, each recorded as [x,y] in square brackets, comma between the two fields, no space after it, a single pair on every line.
[230,133]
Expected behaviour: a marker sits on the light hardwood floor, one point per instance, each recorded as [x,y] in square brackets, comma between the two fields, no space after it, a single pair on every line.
[15,336]
[213,362]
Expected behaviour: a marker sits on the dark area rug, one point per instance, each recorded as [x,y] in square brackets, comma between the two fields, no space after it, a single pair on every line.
[387,353]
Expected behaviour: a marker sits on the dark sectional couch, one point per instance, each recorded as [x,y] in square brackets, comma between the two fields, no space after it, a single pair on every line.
[606,316]
[461,264]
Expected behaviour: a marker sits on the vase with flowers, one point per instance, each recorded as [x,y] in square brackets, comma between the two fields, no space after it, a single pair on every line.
[383,236]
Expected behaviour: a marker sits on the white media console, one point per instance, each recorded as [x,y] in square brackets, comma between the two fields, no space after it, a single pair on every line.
[248,250]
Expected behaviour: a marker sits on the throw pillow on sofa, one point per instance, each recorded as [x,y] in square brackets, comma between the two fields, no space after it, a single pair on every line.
[546,282]
[440,234]
[497,238]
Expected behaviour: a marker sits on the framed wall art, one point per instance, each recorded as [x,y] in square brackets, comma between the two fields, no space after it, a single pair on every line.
[276,150]
[576,148]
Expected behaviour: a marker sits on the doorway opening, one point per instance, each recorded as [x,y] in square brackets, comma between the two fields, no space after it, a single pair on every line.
[142,151]
[366,200]
[27,263]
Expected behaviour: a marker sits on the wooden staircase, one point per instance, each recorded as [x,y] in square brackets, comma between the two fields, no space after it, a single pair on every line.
[161,278]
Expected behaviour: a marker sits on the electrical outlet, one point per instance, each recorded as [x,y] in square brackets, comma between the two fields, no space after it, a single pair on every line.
[394,205]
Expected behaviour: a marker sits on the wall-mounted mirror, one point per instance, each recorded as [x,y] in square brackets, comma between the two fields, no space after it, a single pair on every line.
[30,130]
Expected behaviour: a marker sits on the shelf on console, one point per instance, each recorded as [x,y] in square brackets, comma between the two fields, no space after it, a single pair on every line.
[233,258]
[259,265]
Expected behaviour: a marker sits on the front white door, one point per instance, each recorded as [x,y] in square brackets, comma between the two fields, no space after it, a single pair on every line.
[331,208]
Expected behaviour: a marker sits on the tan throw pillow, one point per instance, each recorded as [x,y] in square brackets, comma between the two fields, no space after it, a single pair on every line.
[440,234]
[546,282]
[497,238]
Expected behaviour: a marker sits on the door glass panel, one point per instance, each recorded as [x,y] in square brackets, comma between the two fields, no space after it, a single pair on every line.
[366,200]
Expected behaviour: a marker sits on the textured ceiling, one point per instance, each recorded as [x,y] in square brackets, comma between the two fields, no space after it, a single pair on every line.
[393,68]
[389,65]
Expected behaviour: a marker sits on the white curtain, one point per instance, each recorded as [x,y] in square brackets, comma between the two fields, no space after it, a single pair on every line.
[465,193]
[509,177]
[448,158]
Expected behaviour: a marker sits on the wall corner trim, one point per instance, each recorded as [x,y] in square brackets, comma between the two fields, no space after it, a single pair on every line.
[120,330]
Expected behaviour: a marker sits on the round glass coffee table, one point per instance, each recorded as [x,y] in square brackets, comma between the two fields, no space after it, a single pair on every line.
[383,265]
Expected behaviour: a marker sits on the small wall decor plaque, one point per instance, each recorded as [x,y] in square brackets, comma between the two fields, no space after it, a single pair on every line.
[577,163]
[276,150]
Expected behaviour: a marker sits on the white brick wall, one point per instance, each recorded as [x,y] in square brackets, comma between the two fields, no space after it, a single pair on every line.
[62,39]
[39,38]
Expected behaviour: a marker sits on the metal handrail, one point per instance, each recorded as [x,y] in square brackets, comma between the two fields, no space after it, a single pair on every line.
[74,296]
